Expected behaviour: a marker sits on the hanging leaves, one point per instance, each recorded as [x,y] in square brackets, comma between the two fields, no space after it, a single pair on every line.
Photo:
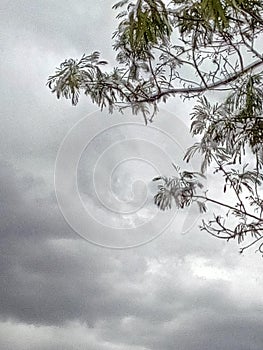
[146,24]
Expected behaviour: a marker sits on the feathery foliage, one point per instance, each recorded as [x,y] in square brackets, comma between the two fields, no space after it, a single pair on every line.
[190,48]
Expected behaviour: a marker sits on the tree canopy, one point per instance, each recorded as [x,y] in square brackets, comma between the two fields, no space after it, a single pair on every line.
[189,48]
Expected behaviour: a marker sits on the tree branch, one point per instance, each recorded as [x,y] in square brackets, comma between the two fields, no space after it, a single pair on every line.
[201,89]
[226,206]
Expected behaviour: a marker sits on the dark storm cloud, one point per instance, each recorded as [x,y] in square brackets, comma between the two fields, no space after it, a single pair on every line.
[49,276]
[28,208]
[129,298]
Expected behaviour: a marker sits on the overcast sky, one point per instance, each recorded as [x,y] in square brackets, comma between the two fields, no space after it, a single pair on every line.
[59,290]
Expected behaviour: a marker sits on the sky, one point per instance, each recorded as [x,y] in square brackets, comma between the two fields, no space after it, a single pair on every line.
[87,261]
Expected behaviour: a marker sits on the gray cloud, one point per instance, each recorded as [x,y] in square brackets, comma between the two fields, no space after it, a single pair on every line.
[57,291]
[56,25]
[149,297]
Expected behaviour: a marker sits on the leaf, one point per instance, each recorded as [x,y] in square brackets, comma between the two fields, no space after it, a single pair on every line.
[157,178]
[202,207]
[120,4]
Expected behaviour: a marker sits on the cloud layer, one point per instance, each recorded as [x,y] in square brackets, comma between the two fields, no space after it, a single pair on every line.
[186,292]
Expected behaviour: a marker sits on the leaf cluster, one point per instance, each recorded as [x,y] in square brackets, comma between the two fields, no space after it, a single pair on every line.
[180,189]
[190,48]
[145,24]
